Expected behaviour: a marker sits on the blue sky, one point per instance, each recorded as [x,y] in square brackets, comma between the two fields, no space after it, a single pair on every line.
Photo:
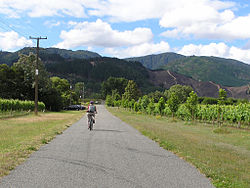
[130,28]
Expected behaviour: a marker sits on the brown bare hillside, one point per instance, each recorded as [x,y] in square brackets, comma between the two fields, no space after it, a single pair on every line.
[166,79]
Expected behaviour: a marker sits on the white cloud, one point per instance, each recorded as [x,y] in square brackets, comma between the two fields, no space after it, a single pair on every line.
[213,19]
[139,50]
[218,50]
[9,41]
[205,19]
[131,10]
[239,54]
[52,23]
[100,34]
[116,10]
[39,8]
[238,28]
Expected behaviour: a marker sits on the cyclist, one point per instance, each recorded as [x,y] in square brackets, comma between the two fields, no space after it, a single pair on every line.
[91,112]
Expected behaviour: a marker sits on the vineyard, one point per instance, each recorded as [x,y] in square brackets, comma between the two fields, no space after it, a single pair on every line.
[232,115]
[238,114]
[14,105]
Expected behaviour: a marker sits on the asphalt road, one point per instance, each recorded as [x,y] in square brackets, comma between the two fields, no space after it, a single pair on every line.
[112,155]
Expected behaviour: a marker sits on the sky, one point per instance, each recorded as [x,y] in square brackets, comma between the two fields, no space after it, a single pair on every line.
[130,28]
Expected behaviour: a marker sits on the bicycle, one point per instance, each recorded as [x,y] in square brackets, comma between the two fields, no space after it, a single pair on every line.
[90,120]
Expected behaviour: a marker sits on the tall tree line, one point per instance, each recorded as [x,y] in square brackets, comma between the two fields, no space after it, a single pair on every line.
[17,82]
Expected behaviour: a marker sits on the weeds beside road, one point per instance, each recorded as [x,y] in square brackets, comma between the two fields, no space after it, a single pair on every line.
[222,154]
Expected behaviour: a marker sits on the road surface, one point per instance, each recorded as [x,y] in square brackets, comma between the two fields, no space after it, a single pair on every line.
[112,155]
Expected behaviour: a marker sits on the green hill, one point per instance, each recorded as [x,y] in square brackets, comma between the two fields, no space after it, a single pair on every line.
[227,72]
[85,66]
[222,71]
[92,69]
[47,53]
[97,70]
[154,62]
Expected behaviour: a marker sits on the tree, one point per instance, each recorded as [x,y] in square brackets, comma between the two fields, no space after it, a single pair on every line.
[79,89]
[136,107]
[222,96]
[115,95]
[182,92]
[151,107]
[191,104]
[113,83]
[131,91]
[63,87]
[156,96]
[109,101]
[173,103]
[52,100]
[7,82]
[60,84]
[209,100]
[161,105]
[144,102]
[131,104]
[25,77]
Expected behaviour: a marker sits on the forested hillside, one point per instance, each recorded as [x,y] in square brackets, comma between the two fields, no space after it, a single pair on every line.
[47,54]
[154,62]
[227,72]
[222,71]
[94,71]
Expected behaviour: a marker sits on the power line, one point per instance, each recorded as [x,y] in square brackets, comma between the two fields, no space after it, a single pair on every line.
[4,24]
[11,28]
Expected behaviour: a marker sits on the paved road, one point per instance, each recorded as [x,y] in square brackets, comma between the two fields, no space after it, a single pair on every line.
[112,155]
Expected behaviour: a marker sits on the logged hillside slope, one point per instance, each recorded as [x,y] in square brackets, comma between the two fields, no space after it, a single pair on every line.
[222,71]
[47,54]
[226,72]
[94,71]
[154,62]
[166,79]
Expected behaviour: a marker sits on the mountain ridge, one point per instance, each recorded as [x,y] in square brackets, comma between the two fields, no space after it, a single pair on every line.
[156,61]
[228,72]
[93,71]
[10,57]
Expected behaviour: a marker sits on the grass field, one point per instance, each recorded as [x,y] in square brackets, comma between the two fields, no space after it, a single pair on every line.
[20,136]
[222,154]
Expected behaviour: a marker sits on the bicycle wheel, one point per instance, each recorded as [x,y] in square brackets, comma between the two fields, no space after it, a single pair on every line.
[91,124]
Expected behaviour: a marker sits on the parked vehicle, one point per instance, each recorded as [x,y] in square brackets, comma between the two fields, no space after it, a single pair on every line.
[75,107]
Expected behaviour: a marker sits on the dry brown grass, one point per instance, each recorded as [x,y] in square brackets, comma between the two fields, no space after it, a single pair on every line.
[21,136]
[40,117]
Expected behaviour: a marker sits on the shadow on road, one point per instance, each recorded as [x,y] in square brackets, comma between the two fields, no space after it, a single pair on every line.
[108,130]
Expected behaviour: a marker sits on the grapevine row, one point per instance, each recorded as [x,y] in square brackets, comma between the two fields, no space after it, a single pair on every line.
[233,114]
[18,105]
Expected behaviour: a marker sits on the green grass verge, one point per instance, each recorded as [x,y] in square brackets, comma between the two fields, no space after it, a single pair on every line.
[20,136]
[10,114]
[222,154]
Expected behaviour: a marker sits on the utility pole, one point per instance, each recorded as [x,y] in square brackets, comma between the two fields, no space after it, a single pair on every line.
[83,92]
[70,94]
[36,72]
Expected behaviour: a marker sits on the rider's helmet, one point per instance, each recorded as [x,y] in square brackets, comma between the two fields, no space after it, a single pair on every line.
[91,102]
